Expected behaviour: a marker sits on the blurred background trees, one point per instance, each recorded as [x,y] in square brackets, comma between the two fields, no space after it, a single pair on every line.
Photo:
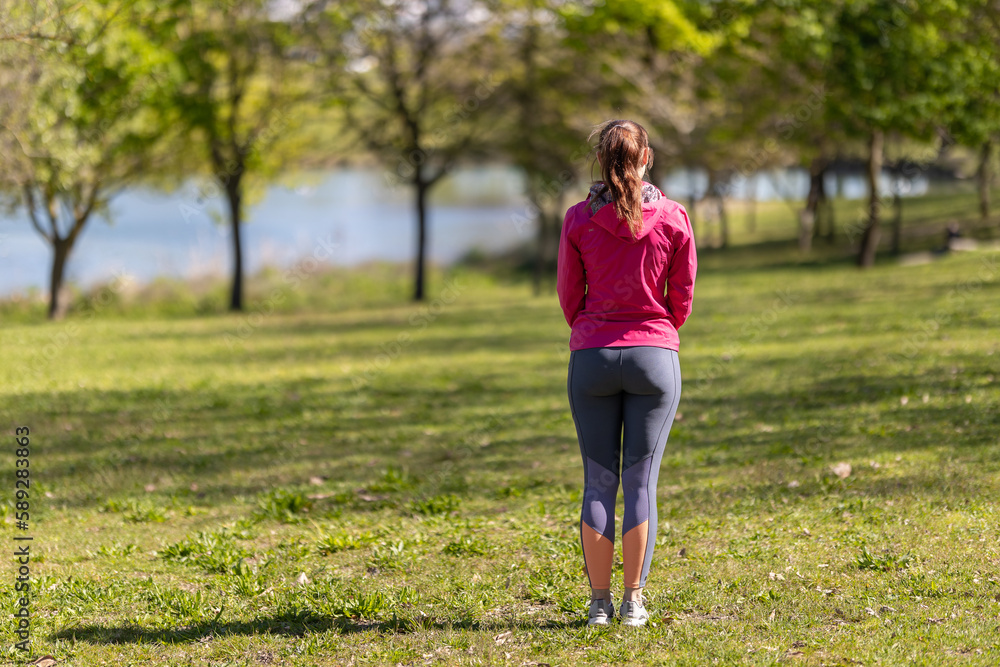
[236,91]
[100,96]
[79,120]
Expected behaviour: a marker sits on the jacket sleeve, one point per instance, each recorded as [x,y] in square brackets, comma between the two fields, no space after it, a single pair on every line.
[681,274]
[571,280]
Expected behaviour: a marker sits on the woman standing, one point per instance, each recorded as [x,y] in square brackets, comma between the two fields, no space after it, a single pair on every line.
[626,274]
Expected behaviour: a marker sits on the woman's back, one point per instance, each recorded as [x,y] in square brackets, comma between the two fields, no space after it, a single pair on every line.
[623,286]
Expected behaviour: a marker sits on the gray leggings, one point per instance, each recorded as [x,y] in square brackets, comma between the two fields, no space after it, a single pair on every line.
[623,401]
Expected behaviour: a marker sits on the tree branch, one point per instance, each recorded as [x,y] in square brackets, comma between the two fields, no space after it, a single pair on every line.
[29,200]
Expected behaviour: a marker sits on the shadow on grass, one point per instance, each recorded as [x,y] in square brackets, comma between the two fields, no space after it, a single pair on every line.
[223,435]
[297,627]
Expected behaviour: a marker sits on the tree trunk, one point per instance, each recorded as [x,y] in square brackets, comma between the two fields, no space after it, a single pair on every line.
[707,199]
[751,219]
[985,176]
[897,218]
[723,221]
[821,207]
[553,236]
[653,174]
[234,193]
[831,223]
[870,238]
[422,187]
[897,223]
[808,216]
[715,191]
[820,210]
[540,250]
[60,252]
[692,201]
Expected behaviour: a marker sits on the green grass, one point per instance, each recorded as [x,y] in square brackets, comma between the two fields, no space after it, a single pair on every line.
[400,484]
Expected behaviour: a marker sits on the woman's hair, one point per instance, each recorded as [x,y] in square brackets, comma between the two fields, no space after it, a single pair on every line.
[619,147]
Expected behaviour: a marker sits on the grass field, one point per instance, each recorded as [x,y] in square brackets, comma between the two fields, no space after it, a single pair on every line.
[400,484]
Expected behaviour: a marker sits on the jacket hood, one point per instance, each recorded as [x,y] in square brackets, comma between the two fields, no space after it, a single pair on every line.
[603,212]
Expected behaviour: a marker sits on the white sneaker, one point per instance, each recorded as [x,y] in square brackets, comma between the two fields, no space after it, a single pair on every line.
[634,613]
[601,612]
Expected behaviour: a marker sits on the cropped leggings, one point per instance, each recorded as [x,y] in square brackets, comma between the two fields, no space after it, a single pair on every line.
[623,401]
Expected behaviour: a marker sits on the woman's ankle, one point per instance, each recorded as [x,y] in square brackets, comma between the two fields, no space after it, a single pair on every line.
[600,594]
[632,595]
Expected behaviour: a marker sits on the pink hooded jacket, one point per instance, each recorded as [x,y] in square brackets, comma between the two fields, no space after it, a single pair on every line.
[618,291]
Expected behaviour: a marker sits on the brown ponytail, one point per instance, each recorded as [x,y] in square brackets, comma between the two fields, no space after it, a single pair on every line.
[620,147]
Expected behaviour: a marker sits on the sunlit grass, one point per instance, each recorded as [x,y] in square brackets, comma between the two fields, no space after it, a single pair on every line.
[397,483]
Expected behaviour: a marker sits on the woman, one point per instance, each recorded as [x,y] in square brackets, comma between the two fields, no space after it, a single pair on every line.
[626,274]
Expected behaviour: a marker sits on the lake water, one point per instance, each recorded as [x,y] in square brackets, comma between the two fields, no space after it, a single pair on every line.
[353,213]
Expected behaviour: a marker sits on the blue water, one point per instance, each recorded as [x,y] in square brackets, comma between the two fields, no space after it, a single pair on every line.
[346,217]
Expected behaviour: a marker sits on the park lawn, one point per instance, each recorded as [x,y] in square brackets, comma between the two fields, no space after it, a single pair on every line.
[401,484]
[924,220]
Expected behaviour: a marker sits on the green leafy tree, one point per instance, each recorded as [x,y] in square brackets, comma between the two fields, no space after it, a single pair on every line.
[544,113]
[237,85]
[776,61]
[973,108]
[888,71]
[647,57]
[84,127]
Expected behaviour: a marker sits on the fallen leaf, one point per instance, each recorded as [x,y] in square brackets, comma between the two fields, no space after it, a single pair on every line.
[302,579]
[842,470]
[316,480]
[503,637]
